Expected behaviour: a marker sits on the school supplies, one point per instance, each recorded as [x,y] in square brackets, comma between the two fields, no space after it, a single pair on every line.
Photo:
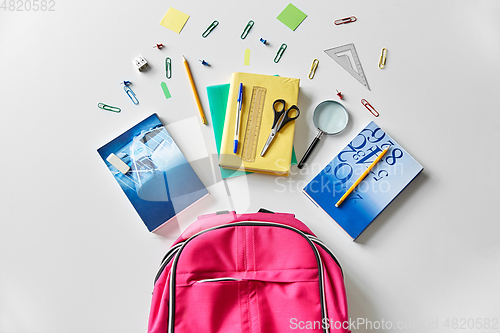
[280,53]
[210,28]
[204,63]
[281,118]
[252,130]
[345,20]
[166,92]
[330,118]
[347,57]
[168,68]
[369,107]
[140,63]
[158,46]
[384,182]
[263,41]
[254,272]
[314,66]
[383,56]
[247,29]
[131,94]
[193,88]
[339,94]
[108,107]
[174,20]
[259,93]
[291,16]
[360,179]
[118,163]
[217,100]
[160,183]
[238,118]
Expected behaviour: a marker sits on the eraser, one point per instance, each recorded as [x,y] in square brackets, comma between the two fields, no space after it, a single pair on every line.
[118,163]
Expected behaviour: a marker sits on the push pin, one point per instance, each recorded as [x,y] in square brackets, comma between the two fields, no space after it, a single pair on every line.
[263,41]
[204,63]
[158,46]
[339,94]
[127,83]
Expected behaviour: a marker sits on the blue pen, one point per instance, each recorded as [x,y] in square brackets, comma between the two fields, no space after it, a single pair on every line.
[238,114]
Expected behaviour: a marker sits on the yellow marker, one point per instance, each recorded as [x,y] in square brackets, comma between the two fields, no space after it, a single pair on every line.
[193,87]
[360,179]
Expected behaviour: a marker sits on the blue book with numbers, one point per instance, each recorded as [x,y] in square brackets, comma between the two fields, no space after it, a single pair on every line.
[386,180]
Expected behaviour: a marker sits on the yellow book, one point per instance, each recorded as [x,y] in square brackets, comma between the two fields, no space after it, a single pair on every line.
[257,116]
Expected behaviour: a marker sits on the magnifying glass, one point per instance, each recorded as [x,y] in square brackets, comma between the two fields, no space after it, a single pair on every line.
[330,118]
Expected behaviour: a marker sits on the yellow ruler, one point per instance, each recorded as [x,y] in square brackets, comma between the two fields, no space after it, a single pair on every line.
[253,124]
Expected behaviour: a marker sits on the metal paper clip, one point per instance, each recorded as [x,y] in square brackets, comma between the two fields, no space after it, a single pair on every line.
[381,62]
[247,29]
[131,94]
[369,107]
[345,20]
[210,28]
[313,68]
[108,107]
[168,68]
[280,53]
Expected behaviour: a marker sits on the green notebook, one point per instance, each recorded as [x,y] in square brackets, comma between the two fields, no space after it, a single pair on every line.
[217,100]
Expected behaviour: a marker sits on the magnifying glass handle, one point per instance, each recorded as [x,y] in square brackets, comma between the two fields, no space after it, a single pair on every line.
[310,149]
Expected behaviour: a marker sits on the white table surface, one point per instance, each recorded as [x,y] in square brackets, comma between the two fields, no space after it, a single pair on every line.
[75,256]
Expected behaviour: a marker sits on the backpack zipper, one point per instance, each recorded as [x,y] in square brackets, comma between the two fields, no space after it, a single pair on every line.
[175,254]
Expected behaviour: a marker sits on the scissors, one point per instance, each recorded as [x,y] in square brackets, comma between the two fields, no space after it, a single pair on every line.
[281,118]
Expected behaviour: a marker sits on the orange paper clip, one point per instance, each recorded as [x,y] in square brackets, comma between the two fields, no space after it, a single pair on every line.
[369,107]
[345,20]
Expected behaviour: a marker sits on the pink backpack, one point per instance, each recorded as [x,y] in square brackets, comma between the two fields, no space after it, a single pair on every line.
[262,272]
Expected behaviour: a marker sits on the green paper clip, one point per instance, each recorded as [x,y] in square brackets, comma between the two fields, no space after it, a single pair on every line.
[108,107]
[280,53]
[210,28]
[247,29]
[168,68]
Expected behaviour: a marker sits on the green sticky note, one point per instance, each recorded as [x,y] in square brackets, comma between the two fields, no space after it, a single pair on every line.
[291,16]
[165,90]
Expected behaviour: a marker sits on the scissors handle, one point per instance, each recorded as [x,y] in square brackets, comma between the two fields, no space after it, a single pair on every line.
[277,114]
[287,117]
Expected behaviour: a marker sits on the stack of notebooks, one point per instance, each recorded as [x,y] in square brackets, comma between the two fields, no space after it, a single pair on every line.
[385,181]
[257,115]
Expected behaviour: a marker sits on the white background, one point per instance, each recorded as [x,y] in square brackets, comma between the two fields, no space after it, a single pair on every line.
[75,256]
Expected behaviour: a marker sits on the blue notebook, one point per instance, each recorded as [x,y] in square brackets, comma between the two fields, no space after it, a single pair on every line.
[386,180]
[155,175]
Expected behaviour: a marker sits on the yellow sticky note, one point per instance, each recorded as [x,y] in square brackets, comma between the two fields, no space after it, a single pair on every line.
[174,20]
[247,57]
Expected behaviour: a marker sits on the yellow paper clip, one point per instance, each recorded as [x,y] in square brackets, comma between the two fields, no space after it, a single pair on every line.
[210,28]
[108,107]
[313,68]
[280,53]
[381,62]
[247,29]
